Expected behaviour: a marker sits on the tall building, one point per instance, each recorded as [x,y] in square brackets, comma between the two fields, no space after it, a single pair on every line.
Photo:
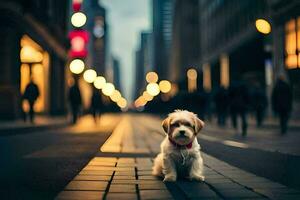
[144,62]
[98,29]
[232,48]
[33,45]
[162,35]
[185,50]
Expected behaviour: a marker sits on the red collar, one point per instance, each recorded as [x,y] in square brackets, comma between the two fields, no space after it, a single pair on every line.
[188,146]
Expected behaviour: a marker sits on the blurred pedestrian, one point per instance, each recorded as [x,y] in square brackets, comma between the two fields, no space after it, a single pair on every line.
[31,94]
[239,102]
[282,102]
[75,101]
[259,103]
[96,104]
[221,102]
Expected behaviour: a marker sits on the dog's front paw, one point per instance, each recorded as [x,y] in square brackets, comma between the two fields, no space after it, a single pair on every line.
[197,178]
[170,178]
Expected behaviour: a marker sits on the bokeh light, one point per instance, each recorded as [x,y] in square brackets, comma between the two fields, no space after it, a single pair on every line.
[147,96]
[122,103]
[192,74]
[76,66]
[108,89]
[151,77]
[263,26]
[78,19]
[153,89]
[89,75]
[116,96]
[99,82]
[165,86]
[141,101]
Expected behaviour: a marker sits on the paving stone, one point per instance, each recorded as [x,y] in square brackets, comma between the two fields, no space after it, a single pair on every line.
[96,172]
[125,169]
[155,194]
[96,163]
[105,159]
[137,182]
[151,186]
[144,168]
[144,161]
[87,185]
[119,177]
[100,168]
[226,186]
[194,189]
[122,188]
[148,172]
[126,164]
[126,160]
[121,196]
[84,177]
[146,177]
[79,195]
[219,180]
[126,173]
[239,193]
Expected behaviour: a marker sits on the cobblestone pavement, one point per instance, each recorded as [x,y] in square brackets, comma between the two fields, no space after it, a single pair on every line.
[122,170]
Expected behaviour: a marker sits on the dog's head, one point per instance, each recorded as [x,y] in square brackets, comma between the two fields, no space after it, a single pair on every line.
[182,126]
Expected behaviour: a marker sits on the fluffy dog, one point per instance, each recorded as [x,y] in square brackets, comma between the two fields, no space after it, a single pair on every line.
[180,152]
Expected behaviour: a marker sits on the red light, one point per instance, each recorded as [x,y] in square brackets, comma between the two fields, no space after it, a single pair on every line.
[79,39]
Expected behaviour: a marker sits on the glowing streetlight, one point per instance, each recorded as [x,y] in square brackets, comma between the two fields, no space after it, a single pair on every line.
[76,66]
[122,103]
[147,96]
[99,82]
[192,74]
[151,77]
[108,89]
[78,19]
[263,26]
[153,89]
[89,75]
[116,96]
[165,86]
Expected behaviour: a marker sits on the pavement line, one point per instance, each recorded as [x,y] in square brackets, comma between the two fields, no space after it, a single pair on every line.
[225,142]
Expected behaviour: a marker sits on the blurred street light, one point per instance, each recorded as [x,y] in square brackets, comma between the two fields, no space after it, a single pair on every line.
[122,103]
[147,96]
[165,86]
[192,80]
[29,54]
[99,82]
[76,66]
[108,89]
[90,75]
[153,89]
[116,96]
[78,19]
[263,26]
[151,77]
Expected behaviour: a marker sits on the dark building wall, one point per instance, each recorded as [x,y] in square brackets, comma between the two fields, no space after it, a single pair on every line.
[43,21]
[185,46]
[162,34]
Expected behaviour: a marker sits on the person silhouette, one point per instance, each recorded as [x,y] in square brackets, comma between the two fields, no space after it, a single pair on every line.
[96,104]
[221,102]
[31,94]
[75,100]
[282,102]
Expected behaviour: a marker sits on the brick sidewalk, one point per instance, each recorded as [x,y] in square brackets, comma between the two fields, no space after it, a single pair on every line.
[122,170]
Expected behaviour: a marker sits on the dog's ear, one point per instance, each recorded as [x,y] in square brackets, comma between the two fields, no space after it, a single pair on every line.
[166,124]
[199,124]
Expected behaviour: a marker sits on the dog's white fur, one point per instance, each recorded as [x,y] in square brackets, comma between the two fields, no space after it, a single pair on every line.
[175,161]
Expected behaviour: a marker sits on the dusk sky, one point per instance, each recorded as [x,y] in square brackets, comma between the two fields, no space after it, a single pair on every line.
[126,19]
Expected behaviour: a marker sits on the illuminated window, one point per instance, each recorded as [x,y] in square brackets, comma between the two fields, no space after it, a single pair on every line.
[292,43]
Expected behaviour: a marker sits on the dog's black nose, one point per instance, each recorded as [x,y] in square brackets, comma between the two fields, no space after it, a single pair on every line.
[182,132]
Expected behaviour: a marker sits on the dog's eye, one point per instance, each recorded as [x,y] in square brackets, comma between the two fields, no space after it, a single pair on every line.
[175,125]
[187,124]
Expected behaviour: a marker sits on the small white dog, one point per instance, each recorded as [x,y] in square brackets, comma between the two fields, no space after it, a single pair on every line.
[180,152]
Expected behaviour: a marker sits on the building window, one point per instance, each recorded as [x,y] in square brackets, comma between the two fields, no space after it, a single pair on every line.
[292,43]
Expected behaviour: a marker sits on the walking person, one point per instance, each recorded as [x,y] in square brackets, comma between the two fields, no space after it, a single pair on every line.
[239,102]
[75,101]
[31,94]
[96,104]
[282,102]
[221,102]
[259,102]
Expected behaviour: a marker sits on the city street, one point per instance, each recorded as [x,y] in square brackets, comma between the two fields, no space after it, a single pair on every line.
[113,159]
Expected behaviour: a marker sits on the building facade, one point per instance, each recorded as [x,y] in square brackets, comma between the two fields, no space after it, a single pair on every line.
[34,43]
[163,11]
